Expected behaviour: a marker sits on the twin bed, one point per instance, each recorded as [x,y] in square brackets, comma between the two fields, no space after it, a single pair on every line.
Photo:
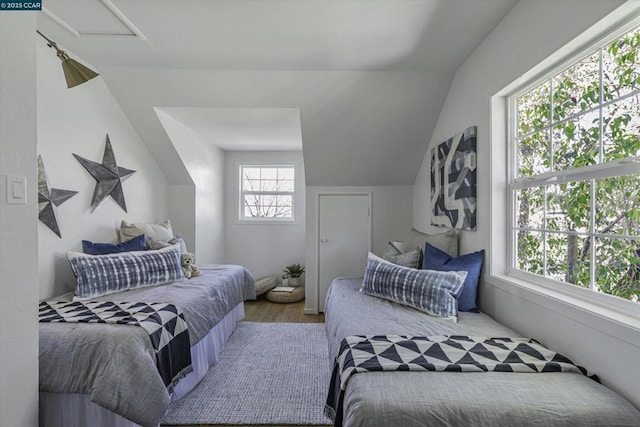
[384,398]
[106,374]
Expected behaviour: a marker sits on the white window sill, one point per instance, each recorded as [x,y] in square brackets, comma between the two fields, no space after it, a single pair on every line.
[623,325]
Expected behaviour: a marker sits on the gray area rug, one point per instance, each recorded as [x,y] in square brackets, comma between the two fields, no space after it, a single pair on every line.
[268,374]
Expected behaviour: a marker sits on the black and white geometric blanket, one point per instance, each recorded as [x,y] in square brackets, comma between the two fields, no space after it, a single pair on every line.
[163,322]
[442,353]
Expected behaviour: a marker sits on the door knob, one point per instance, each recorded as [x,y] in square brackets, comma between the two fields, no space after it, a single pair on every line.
[324,239]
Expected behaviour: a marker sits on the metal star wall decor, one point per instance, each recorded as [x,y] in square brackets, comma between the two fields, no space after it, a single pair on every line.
[109,177]
[48,199]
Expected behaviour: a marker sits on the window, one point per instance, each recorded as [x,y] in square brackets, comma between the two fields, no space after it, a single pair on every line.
[267,193]
[574,181]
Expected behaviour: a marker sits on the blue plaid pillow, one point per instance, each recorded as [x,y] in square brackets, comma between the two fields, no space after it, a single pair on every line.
[98,275]
[433,292]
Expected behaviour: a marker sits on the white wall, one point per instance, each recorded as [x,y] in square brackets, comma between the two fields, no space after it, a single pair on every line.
[264,249]
[76,121]
[205,210]
[391,215]
[529,34]
[182,211]
[18,232]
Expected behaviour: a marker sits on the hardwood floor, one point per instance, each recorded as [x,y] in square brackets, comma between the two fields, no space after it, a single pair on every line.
[262,310]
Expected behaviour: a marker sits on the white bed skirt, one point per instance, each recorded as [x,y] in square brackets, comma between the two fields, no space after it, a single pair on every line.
[68,410]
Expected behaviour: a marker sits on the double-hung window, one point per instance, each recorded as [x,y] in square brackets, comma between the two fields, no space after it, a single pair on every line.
[574,180]
[267,193]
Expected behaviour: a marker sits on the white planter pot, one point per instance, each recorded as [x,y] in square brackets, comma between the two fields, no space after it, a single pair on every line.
[293,281]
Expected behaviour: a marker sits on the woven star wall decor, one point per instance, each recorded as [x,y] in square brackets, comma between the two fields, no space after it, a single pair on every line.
[109,177]
[49,198]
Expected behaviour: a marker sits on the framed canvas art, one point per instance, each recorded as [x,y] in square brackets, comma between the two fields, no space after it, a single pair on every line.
[453,181]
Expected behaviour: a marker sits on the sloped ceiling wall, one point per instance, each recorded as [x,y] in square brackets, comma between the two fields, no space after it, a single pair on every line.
[358,127]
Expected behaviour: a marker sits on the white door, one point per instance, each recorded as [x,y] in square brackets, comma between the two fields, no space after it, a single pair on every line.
[344,230]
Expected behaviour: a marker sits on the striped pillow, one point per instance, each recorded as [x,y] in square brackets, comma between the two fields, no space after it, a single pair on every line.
[433,292]
[98,275]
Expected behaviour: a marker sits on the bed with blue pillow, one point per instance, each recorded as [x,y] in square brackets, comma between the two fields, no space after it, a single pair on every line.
[105,373]
[395,302]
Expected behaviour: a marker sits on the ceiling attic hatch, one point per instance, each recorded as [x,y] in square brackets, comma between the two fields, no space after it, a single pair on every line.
[91,18]
[241,129]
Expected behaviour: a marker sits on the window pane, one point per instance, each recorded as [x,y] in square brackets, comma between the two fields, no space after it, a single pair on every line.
[618,268]
[533,154]
[533,110]
[286,173]
[530,208]
[286,185]
[621,125]
[577,89]
[251,200]
[568,259]
[618,205]
[576,142]
[250,185]
[251,173]
[569,206]
[285,212]
[269,173]
[268,200]
[269,185]
[620,68]
[530,252]
[284,201]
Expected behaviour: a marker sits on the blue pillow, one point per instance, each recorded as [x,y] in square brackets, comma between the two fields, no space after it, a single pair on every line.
[138,243]
[435,259]
[432,292]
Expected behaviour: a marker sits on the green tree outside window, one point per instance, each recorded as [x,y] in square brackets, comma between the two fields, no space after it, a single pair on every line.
[566,130]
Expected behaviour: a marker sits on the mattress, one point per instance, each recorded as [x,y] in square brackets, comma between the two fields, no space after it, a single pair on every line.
[457,398]
[115,364]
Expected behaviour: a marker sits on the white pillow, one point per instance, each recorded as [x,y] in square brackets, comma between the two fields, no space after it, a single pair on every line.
[161,231]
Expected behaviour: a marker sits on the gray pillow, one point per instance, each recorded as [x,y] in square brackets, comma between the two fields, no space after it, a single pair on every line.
[433,292]
[153,243]
[161,231]
[446,242]
[409,259]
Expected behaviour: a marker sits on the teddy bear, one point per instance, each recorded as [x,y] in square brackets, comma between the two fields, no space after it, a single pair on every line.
[188,267]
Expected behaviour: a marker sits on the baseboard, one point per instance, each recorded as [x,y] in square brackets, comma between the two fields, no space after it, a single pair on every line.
[310,311]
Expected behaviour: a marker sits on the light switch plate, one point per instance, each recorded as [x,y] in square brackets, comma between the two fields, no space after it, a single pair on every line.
[16,190]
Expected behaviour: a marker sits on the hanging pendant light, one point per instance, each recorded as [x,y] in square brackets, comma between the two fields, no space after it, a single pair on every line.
[74,72]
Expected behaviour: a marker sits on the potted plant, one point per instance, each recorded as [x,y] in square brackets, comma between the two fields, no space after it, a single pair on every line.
[292,273]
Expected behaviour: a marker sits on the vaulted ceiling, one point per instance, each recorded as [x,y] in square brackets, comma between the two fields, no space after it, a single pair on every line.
[366,78]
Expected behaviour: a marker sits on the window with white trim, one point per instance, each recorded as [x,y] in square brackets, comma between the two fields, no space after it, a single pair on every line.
[267,192]
[574,179]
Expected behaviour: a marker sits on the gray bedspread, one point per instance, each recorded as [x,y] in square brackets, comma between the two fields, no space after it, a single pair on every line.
[457,398]
[115,364]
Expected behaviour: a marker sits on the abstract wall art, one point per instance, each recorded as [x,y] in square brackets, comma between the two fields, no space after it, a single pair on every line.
[453,181]
[108,176]
[49,198]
